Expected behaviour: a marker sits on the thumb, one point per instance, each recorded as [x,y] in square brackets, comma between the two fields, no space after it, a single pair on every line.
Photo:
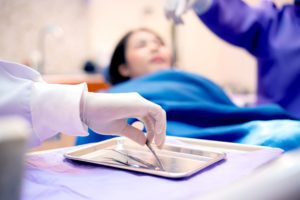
[134,134]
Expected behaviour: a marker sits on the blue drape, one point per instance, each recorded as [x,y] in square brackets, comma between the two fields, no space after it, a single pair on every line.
[198,108]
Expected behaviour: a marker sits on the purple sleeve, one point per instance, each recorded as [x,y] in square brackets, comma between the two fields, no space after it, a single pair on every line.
[239,23]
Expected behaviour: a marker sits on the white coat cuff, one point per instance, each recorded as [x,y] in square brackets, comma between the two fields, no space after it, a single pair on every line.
[56,108]
[200,7]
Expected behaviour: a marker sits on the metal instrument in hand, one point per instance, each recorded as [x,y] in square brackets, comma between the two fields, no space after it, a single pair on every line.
[155,155]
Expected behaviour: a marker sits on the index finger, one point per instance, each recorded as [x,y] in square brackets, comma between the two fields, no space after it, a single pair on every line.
[160,124]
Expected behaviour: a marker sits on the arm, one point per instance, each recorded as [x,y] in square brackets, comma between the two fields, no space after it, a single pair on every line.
[238,23]
[48,108]
[53,108]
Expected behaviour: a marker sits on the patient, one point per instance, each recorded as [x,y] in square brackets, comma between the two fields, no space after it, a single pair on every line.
[140,52]
[195,106]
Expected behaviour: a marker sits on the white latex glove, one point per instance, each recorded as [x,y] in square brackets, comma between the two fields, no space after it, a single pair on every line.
[174,9]
[108,114]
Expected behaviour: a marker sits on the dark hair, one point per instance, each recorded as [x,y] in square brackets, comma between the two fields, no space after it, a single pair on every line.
[119,57]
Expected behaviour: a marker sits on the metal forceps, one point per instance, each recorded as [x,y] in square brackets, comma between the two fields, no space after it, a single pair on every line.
[155,155]
[144,163]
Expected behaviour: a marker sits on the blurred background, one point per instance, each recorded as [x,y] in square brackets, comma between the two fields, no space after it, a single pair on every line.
[60,36]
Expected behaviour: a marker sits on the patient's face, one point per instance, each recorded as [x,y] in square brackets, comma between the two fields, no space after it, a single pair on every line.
[145,53]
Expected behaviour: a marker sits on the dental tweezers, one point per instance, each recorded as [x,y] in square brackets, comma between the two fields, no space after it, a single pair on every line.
[155,155]
[145,164]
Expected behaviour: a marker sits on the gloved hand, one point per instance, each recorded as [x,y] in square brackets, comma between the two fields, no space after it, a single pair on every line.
[108,114]
[174,9]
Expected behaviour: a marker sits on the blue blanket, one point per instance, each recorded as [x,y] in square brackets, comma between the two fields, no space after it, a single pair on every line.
[198,108]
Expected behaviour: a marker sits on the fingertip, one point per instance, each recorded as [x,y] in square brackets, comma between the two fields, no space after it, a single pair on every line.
[161,123]
[141,139]
[150,137]
[160,140]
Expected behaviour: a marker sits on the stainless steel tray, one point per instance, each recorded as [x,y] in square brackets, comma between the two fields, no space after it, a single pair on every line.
[178,161]
[210,145]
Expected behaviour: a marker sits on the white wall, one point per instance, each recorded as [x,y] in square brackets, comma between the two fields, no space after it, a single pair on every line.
[21,22]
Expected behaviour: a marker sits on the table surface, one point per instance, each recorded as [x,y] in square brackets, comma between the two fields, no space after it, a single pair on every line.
[51,176]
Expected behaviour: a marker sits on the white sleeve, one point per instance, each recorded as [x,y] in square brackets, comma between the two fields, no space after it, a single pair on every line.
[49,108]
